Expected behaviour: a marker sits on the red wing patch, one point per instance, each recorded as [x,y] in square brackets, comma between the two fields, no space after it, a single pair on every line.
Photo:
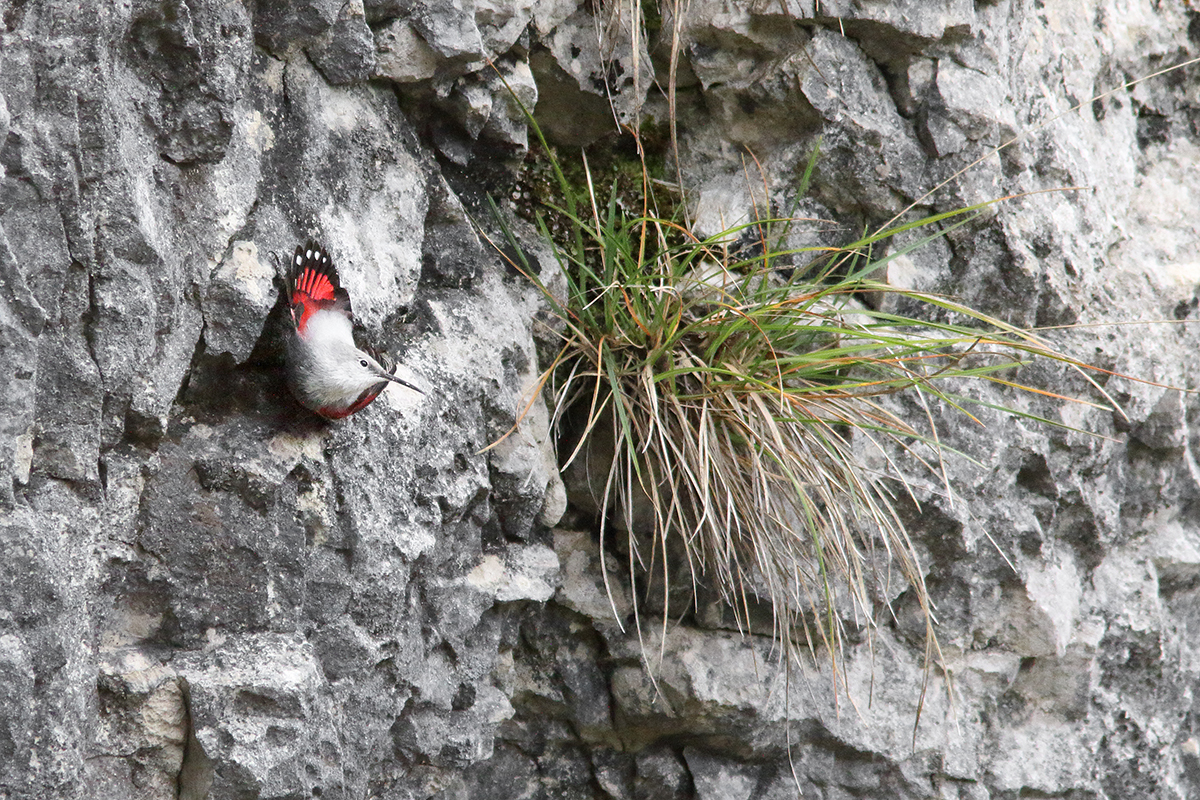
[315,284]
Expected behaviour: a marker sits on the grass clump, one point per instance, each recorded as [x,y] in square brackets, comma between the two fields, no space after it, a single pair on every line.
[732,395]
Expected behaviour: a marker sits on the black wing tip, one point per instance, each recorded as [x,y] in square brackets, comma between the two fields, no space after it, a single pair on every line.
[312,255]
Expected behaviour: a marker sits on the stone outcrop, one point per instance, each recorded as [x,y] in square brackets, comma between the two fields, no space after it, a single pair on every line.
[204,592]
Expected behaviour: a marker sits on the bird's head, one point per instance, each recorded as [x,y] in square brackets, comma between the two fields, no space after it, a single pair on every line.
[372,372]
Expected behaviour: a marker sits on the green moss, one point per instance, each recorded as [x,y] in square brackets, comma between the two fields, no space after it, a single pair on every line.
[638,188]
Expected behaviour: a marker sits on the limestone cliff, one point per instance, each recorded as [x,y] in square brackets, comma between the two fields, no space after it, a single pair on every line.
[206,593]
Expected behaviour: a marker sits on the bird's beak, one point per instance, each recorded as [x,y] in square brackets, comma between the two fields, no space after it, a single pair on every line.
[387,372]
[392,377]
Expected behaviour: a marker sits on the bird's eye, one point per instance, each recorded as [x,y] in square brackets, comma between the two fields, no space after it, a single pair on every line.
[363,362]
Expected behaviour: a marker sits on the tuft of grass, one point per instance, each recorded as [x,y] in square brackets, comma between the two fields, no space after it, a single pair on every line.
[737,397]
[736,393]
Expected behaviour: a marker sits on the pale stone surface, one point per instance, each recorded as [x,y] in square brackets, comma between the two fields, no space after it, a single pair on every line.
[402,55]
[525,573]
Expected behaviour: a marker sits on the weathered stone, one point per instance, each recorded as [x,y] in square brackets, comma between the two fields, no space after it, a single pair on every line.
[720,778]
[925,20]
[661,774]
[592,75]
[401,55]
[282,24]
[529,572]
[144,712]
[196,55]
[346,53]
[614,773]
[17,716]
[240,295]
[70,398]
[261,718]
[566,115]
[449,28]
[515,484]
[496,106]
[584,588]
[344,649]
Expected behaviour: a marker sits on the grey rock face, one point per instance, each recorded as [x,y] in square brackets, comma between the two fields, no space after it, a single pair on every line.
[204,592]
[195,57]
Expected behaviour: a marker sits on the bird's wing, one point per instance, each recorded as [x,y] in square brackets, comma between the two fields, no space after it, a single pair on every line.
[315,285]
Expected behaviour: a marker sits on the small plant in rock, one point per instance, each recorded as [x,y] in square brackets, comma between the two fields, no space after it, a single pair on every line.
[732,400]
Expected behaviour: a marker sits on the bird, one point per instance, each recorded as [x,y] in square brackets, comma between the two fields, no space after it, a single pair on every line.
[326,371]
